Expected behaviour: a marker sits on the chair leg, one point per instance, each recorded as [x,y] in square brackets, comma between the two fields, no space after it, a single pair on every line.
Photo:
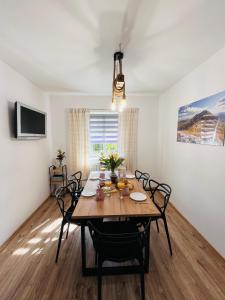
[167,234]
[157,225]
[67,230]
[99,271]
[142,279]
[142,285]
[59,242]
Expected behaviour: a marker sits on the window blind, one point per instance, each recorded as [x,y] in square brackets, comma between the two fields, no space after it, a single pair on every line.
[104,128]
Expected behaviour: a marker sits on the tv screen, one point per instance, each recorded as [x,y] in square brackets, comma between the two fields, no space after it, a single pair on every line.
[30,122]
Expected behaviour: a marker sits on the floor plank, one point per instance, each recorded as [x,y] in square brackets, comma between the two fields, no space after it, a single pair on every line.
[28,270]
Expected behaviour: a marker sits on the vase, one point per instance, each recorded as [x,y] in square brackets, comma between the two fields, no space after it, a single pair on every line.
[113,177]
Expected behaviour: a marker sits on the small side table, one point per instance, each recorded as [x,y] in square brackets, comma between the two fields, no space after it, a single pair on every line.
[57,177]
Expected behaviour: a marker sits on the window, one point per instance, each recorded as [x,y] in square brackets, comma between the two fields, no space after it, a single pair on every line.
[103,133]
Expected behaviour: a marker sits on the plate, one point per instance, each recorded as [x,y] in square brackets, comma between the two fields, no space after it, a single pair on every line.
[130,176]
[88,193]
[94,178]
[138,196]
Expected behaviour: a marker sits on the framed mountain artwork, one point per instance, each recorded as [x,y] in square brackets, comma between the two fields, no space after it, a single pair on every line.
[203,121]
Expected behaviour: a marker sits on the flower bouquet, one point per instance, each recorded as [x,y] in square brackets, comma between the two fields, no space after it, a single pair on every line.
[111,162]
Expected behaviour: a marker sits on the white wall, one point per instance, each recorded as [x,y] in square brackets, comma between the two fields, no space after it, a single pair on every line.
[195,172]
[147,131]
[24,164]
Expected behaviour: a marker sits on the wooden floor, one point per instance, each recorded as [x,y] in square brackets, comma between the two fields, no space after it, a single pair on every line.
[28,270]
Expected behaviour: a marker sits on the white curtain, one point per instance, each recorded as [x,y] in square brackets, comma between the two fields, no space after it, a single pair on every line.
[128,137]
[78,141]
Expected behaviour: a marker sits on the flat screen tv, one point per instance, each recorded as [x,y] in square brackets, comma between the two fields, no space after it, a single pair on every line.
[30,123]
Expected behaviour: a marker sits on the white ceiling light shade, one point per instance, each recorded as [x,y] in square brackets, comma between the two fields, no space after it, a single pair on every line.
[118,84]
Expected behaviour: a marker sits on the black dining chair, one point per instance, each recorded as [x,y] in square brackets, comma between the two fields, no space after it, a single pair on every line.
[119,242]
[160,194]
[73,190]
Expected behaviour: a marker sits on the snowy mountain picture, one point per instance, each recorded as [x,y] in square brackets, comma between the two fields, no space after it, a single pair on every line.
[203,121]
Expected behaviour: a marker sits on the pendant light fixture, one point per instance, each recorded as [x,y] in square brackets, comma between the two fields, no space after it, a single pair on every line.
[118,85]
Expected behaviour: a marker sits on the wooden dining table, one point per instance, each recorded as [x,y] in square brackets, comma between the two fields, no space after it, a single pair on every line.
[112,207]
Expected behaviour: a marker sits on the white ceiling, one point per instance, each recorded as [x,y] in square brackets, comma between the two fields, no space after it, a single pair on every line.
[68,45]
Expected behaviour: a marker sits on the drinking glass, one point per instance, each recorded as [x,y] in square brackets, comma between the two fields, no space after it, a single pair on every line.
[120,186]
[108,185]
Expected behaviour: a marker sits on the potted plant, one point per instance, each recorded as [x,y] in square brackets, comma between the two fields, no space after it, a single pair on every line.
[112,162]
[60,156]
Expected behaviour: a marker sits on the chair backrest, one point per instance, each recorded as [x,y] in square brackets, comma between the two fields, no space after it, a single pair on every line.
[117,241]
[160,193]
[77,176]
[143,177]
[74,191]
[138,174]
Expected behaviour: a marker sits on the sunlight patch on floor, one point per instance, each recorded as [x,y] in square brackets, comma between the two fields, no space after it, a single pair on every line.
[73,227]
[20,251]
[52,226]
[37,227]
[46,227]
[47,240]
[36,251]
[34,240]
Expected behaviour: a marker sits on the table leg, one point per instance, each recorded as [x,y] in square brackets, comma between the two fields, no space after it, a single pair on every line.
[147,252]
[83,249]
[147,257]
